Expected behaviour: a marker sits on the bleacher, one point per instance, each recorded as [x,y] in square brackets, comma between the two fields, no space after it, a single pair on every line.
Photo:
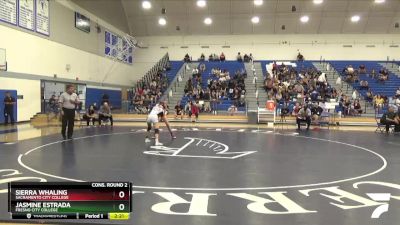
[263,66]
[388,88]
[175,67]
[232,67]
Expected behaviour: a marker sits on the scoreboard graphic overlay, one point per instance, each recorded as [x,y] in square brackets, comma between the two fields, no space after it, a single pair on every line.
[61,200]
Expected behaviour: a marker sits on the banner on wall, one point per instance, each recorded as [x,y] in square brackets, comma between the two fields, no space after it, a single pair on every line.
[116,47]
[26,10]
[42,17]
[8,11]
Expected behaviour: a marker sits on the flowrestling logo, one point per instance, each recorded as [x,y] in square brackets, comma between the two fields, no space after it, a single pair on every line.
[198,148]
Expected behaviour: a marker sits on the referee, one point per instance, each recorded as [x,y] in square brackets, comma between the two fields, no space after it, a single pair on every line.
[68,101]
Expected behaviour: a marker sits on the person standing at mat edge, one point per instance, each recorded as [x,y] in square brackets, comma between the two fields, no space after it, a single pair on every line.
[68,101]
[9,103]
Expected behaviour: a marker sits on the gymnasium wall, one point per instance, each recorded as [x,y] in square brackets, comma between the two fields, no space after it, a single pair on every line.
[32,53]
[30,89]
[279,47]
[94,95]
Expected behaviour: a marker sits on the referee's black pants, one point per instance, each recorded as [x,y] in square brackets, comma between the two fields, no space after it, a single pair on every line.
[68,121]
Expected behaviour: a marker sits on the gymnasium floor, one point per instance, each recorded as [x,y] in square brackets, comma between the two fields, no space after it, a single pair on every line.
[220,173]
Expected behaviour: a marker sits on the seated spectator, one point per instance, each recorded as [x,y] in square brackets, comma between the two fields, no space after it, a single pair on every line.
[396,102]
[350,70]
[373,73]
[364,85]
[383,77]
[300,57]
[362,69]
[53,107]
[316,111]
[187,58]
[369,96]
[296,109]
[90,115]
[105,114]
[232,110]
[239,57]
[251,57]
[246,58]
[379,101]
[222,57]
[356,109]
[178,110]
[398,92]
[391,118]
[202,67]
[322,79]
[202,58]
[304,115]
[211,58]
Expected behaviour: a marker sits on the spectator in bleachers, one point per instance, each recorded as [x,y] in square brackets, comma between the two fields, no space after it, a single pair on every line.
[251,57]
[296,109]
[383,76]
[356,108]
[246,58]
[362,69]
[202,58]
[379,101]
[239,57]
[373,74]
[391,118]
[398,92]
[222,57]
[369,96]
[345,104]
[349,70]
[232,110]
[187,58]
[364,85]
[300,57]
[396,102]
[211,58]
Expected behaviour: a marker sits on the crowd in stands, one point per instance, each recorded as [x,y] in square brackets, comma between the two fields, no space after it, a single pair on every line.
[352,75]
[302,90]
[220,86]
[221,58]
[149,90]
[378,100]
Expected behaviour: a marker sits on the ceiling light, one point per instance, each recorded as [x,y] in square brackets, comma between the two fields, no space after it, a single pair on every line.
[201,3]
[355,19]
[304,19]
[146,5]
[208,21]
[162,21]
[317,2]
[379,1]
[255,19]
[258,2]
